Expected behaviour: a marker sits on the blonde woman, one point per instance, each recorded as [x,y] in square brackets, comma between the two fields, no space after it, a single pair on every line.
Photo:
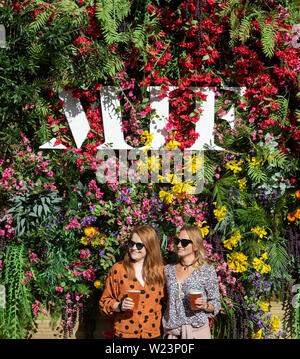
[141,270]
[191,273]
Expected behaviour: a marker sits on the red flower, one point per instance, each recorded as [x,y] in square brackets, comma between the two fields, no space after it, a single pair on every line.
[150,9]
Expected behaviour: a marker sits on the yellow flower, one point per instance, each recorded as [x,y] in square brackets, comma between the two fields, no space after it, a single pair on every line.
[165,195]
[169,197]
[257,264]
[193,164]
[143,165]
[220,212]
[275,322]
[204,229]
[257,335]
[168,178]
[97,284]
[172,144]
[180,188]
[84,241]
[242,183]
[264,306]
[264,256]
[162,194]
[266,268]
[237,261]
[259,231]
[90,231]
[234,166]
[147,138]
[154,163]
[233,240]
[96,241]
[254,162]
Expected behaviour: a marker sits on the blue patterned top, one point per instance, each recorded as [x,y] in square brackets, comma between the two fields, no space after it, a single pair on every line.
[178,311]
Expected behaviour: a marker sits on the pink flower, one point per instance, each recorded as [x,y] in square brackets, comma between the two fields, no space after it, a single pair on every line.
[59,289]
[28,275]
[50,174]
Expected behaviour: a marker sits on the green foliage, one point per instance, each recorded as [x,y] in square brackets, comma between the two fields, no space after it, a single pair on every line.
[221,189]
[278,259]
[16,318]
[242,27]
[111,14]
[223,324]
[30,209]
[280,114]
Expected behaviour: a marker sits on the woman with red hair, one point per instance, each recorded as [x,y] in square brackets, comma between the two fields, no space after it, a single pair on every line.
[141,271]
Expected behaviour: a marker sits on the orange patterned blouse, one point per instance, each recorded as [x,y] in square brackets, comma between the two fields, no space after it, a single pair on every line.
[143,322]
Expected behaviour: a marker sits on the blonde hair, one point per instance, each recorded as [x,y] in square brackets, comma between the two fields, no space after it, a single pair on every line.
[195,236]
[152,267]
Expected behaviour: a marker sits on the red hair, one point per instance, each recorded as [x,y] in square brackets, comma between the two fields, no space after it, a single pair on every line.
[152,267]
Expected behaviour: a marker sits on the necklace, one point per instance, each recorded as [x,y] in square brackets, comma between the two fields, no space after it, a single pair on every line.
[185,266]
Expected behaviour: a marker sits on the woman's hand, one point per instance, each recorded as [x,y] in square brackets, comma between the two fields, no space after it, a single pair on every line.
[201,304]
[127,304]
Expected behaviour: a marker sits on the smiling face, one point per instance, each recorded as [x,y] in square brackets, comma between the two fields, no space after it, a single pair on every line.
[135,254]
[185,251]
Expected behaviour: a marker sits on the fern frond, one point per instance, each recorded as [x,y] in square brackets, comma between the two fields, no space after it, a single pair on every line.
[244,29]
[252,216]
[40,21]
[110,15]
[268,39]
[256,174]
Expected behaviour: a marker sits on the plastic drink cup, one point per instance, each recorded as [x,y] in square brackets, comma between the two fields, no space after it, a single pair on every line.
[135,296]
[194,294]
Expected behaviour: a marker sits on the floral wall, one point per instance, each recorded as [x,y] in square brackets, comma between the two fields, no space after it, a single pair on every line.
[61,230]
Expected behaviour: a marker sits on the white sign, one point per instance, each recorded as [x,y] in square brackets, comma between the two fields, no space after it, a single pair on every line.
[2,36]
[112,120]
[2,296]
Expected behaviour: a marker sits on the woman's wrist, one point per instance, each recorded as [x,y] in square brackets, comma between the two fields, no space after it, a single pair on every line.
[209,308]
[117,307]
[120,307]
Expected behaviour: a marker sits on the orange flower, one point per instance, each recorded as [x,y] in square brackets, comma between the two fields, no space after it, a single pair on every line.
[297,193]
[291,217]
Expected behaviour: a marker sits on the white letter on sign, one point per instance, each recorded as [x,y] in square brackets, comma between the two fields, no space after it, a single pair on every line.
[112,120]
[77,121]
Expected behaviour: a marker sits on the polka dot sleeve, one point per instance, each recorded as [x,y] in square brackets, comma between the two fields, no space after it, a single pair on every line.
[111,291]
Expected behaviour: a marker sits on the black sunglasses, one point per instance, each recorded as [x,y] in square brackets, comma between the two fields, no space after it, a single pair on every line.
[184,242]
[139,246]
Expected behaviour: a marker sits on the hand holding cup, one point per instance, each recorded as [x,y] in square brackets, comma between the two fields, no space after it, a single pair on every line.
[197,301]
[127,304]
[200,303]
